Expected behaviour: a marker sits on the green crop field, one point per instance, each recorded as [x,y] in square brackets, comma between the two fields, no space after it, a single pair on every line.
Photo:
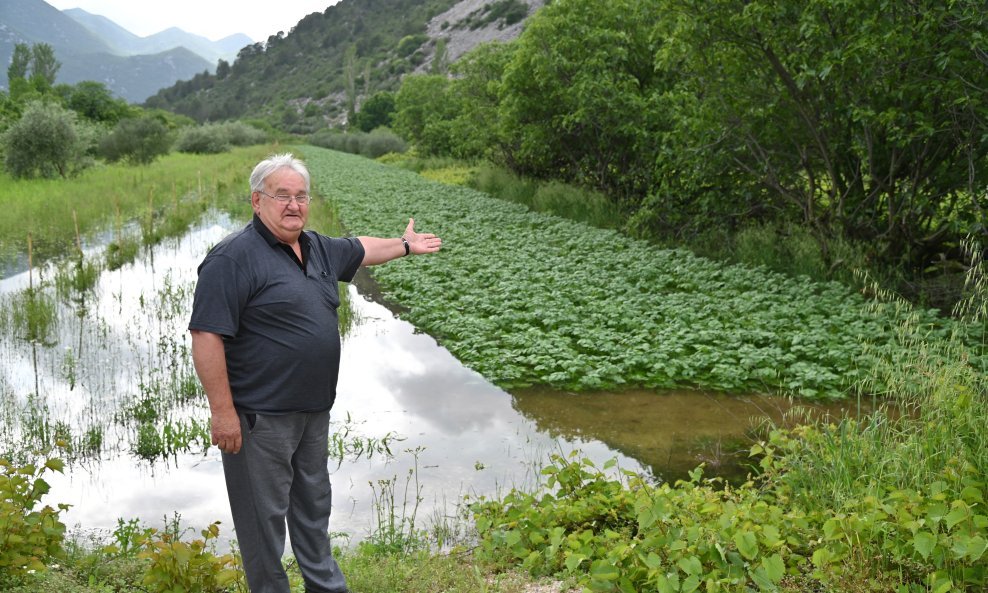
[526,298]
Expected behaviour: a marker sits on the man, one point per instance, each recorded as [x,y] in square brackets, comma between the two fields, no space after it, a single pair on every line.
[266,347]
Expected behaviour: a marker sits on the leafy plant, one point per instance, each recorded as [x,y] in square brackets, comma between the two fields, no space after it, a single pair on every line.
[528,298]
[613,536]
[190,567]
[29,536]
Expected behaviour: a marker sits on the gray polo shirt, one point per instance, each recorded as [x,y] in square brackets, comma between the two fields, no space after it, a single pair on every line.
[277,316]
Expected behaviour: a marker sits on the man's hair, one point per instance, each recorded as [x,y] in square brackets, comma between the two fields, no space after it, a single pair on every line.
[272,164]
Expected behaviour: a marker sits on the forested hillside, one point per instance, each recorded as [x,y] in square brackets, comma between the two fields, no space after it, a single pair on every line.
[311,76]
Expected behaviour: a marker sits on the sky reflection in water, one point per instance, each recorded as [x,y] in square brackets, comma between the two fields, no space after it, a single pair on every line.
[459,434]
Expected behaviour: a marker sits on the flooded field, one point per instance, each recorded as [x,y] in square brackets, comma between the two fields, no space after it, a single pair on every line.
[414,430]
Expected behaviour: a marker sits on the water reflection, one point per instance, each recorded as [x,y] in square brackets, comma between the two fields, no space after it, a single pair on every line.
[451,432]
[669,432]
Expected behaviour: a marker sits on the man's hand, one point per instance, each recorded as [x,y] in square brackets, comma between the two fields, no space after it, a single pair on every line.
[419,243]
[226,431]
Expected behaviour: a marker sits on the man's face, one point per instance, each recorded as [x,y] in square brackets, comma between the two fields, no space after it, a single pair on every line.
[286,221]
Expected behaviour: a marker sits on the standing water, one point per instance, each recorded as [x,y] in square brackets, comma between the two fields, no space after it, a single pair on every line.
[414,431]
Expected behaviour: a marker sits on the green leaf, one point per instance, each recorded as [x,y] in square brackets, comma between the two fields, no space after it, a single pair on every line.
[667,583]
[573,561]
[936,512]
[957,515]
[692,583]
[822,557]
[690,565]
[976,547]
[747,544]
[774,567]
[55,464]
[603,570]
[924,542]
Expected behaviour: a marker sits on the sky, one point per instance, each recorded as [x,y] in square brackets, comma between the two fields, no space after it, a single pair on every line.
[212,19]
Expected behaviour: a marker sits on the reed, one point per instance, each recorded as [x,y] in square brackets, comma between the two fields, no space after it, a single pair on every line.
[934,428]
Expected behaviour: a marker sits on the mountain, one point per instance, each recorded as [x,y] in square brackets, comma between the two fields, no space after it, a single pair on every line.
[298,81]
[125,43]
[86,55]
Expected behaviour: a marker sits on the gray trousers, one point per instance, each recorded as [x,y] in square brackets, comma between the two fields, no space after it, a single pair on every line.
[280,476]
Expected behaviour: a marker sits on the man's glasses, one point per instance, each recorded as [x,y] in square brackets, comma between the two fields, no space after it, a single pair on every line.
[301,199]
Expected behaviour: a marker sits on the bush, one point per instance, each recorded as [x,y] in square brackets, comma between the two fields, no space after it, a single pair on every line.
[241,134]
[45,142]
[216,138]
[376,112]
[208,139]
[136,140]
[377,143]
[28,537]
[175,565]
[381,142]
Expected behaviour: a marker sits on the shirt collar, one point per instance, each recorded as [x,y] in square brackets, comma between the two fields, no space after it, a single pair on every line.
[273,241]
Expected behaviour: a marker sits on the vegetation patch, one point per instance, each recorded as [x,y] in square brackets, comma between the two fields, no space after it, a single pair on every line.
[527,298]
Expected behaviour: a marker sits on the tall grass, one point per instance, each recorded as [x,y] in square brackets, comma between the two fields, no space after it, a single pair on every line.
[567,201]
[888,480]
[53,211]
[935,428]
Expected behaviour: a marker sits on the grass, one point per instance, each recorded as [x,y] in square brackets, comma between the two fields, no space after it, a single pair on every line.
[891,502]
[86,570]
[56,213]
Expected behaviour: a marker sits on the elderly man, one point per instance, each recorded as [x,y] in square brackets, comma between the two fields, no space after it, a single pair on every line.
[266,347]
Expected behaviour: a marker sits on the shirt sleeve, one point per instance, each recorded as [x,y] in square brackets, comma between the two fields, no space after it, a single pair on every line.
[220,296]
[346,253]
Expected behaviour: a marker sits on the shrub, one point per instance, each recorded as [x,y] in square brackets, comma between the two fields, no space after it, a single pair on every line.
[377,143]
[45,142]
[331,139]
[208,139]
[27,536]
[381,142]
[136,140]
[175,565]
[241,134]
[376,112]
[216,138]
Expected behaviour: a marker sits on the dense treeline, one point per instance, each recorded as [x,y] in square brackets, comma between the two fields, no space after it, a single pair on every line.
[862,124]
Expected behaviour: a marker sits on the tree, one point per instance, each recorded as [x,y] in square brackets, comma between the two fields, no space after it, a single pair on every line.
[222,69]
[476,87]
[138,141]
[863,119]
[440,59]
[350,82]
[20,63]
[423,113]
[576,98]
[93,101]
[44,66]
[44,142]
[376,112]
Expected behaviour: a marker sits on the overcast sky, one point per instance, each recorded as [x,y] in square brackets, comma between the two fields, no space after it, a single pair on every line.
[213,19]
